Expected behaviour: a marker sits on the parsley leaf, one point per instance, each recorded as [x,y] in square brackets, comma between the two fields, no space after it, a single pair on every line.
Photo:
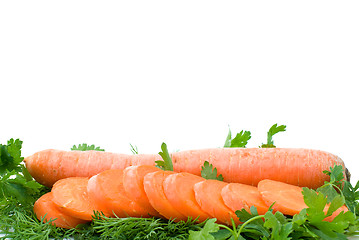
[351,195]
[272,131]
[332,188]
[240,140]
[208,172]
[166,163]
[85,147]
[205,232]
[15,181]
[280,226]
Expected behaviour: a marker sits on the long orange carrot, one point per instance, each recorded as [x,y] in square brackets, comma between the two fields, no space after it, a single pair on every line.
[302,167]
[44,208]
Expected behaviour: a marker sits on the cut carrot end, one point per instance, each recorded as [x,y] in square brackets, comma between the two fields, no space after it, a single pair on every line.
[237,196]
[106,188]
[153,185]
[208,196]
[70,195]
[133,184]
[179,191]
[46,210]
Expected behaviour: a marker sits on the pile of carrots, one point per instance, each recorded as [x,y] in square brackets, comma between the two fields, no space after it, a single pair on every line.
[146,191]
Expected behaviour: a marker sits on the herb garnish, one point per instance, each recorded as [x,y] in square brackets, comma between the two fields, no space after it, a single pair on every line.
[274,129]
[86,147]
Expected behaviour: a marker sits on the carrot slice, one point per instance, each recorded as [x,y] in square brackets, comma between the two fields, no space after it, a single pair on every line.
[208,195]
[45,208]
[70,195]
[288,198]
[179,191]
[237,196]
[106,188]
[153,185]
[133,185]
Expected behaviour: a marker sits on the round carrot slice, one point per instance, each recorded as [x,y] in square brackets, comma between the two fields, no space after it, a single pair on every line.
[179,191]
[133,185]
[153,185]
[208,196]
[70,195]
[106,188]
[237,196]
[46,210]
[287,198]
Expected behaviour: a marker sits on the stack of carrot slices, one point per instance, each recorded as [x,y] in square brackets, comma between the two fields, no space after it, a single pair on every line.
[147,191]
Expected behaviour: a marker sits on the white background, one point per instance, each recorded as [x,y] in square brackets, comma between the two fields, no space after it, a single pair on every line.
[111,73]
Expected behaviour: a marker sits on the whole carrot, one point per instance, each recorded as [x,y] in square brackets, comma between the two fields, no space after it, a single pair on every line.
[297,166]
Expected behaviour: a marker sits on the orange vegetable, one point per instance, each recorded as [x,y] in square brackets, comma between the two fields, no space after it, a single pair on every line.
[179,191]
[208,196]
[302,167]
[70,195]
[107,191]
[153,184]
[45,208]
[133,185]
[287,198]
[237,196]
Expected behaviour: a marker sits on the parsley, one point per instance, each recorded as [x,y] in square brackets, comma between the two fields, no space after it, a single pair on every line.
[18,190]
[166,163]
[351,195]
[15,181]
[240,140]
[208,172]
[85,147]
[272,131]
[205,232]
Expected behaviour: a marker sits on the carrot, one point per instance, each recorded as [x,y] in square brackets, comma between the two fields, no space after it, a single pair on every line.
[107,191]
[153,185]
[133,185]
[46,210]
[302,167]
[237,196]
[287,198]
[70,195]
[208,196]
[179,191]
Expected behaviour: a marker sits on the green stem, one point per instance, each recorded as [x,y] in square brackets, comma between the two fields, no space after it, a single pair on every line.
[248,221]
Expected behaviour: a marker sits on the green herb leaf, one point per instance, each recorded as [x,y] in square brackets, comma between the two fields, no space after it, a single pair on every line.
[333,188]
[227,143]
[10,156]
[280,228]
[166,163]
[351,195]
[85,147]
[209,172]
[240,140]
[15,181]
[272,131]
[205,232]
